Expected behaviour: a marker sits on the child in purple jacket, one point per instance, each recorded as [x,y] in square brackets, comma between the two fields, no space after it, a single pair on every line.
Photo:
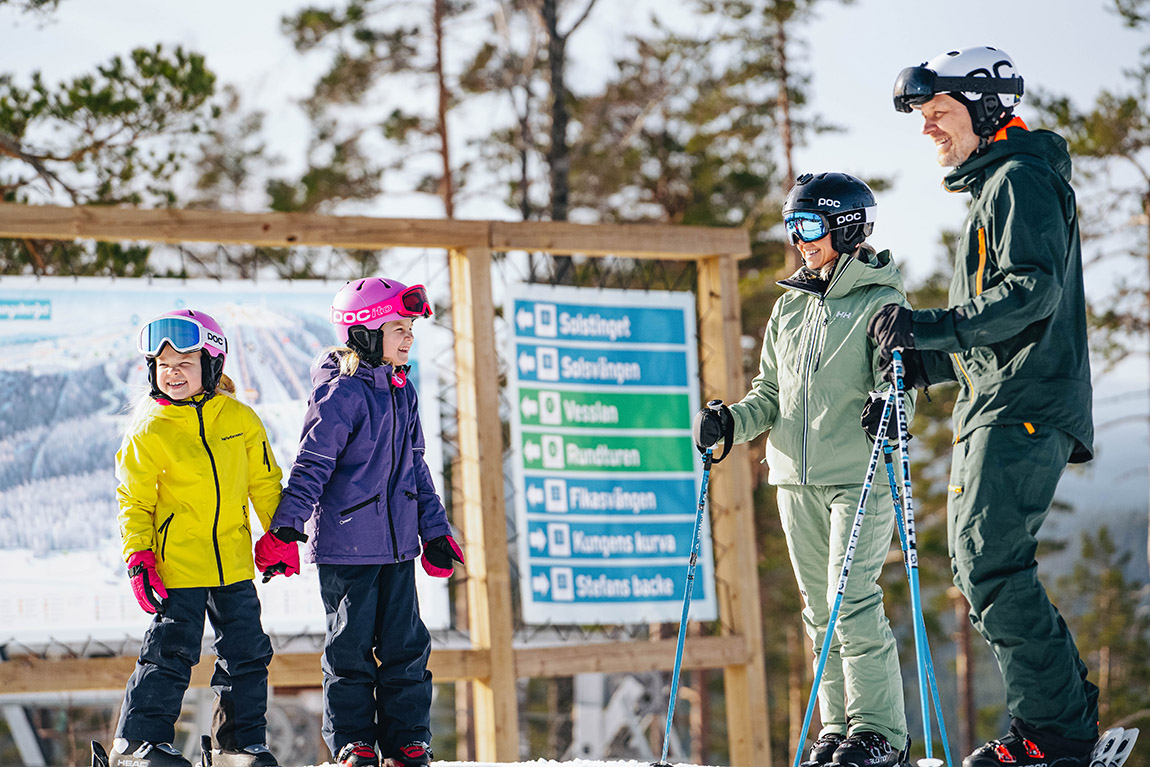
[362,498]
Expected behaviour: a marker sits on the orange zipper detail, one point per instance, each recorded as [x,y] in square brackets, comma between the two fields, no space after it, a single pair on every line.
[981,260]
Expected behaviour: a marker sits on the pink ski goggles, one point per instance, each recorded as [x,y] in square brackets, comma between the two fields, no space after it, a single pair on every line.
[412,302]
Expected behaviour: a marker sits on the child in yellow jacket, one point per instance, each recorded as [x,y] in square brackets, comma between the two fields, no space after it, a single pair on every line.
[188,466]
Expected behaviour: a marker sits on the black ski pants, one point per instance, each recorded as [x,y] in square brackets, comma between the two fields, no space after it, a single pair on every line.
[1002,483]
[376,685]
[155,691]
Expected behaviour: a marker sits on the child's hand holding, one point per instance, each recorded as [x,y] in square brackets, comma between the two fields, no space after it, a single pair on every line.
[276,552]
[146,583]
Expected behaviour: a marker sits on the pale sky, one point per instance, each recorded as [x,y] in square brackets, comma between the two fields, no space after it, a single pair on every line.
[853,51]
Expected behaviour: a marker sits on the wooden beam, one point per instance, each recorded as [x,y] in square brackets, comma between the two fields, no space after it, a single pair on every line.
[276,230]
[281,230]
[24,674]
[623,657]
[480,501]
[647,240]
[732,519]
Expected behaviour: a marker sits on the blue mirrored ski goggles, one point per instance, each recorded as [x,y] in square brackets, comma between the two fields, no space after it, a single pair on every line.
[181,333]
[805,226]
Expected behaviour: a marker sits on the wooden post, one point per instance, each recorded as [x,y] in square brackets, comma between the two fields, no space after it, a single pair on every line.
[732,519]
[479,500]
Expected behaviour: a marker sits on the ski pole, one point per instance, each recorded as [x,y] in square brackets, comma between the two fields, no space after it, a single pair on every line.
[888,451]
[926,678]
[695,544]
[848,558]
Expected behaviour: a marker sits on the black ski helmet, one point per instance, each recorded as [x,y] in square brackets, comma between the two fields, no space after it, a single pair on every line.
[846,204]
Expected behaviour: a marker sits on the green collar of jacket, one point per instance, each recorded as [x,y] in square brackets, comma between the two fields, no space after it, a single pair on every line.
[863,267]
[1050,147]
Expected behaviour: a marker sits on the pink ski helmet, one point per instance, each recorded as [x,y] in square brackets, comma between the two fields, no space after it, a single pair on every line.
[185,330]
[368,303]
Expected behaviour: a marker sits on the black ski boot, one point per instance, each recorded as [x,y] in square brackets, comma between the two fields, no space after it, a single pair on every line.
[823,750]
[868,749]
[357,754]
[414,754]
[1014,750]
[252,756]
[141,753]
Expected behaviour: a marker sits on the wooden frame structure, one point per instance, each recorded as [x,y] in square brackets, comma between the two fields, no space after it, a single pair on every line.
[492,662]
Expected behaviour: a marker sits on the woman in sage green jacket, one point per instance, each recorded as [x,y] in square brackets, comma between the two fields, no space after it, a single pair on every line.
[816,372]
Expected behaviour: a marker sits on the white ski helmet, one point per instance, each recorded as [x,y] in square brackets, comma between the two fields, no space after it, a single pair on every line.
[982,78]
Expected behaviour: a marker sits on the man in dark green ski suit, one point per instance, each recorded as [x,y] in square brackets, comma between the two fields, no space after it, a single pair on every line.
[1014,338]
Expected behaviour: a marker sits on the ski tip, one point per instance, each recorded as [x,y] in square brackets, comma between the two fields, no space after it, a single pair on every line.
[99,755]
[1124,747]
[1114,746]
[206,751]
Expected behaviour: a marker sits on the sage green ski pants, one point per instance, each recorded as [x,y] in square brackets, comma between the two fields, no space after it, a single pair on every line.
[1002,482]
[861,688]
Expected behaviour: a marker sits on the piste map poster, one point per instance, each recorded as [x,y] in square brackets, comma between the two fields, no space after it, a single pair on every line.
[70,370]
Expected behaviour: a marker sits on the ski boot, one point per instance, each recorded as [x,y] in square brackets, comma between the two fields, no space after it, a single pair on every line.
[357,754]
[251,756]
[868,749]
[823,750]
[1017,751]
[140,753]
[414,754]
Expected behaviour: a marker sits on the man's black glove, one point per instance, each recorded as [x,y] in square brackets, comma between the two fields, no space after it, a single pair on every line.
[872,415]
[892,327]
[713,423]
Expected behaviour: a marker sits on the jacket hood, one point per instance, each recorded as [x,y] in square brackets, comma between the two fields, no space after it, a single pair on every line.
[1043,144]
[863,268]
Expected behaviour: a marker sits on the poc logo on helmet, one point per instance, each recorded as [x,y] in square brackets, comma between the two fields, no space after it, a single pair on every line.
[846,218]
[215,338]
[350,318]
[827,202]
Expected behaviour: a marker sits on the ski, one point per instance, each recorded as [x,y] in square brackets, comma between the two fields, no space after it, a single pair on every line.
[99,755]
[1114,747]
[206,751]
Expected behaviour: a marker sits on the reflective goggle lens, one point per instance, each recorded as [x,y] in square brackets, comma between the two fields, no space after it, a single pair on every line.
[805,225]
[414,302]
[914,87]
[181,333]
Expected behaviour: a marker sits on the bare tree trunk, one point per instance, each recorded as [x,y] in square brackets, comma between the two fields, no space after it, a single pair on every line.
[964,670]
[793,261]
[796,658]
[558,155]
[1146,212]
[447,184]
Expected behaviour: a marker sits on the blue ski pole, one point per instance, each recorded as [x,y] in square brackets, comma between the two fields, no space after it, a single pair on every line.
[695,543]
[848,558]
[926,678]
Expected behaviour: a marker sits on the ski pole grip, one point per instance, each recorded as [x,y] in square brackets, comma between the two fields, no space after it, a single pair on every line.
[728,423]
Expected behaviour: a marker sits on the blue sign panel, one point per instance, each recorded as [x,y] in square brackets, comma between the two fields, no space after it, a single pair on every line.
[611,367]
[613,496]
[588,322]
[571,539]
[598,584]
